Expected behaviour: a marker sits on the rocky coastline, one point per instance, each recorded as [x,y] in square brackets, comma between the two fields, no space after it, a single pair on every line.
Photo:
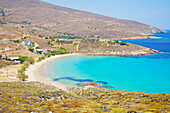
[151,51]
[105,49]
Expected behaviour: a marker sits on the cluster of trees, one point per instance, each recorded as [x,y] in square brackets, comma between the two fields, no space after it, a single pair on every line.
[61,50]
[64,41]
[27,61]
[68,37]
[123,43]
[41,58]
[1,22]
[17,41]
[62,37]
[117,42]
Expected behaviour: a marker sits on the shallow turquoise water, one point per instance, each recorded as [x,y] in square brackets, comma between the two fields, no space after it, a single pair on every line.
[132,74]
[150,73]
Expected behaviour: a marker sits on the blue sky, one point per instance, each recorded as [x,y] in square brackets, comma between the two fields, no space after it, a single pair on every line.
[152,12]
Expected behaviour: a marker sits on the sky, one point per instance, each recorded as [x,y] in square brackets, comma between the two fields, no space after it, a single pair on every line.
[151,12]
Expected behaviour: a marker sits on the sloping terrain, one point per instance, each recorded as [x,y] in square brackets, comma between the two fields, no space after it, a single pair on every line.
[37,17]
[6,33]
[38,97]
[103,48]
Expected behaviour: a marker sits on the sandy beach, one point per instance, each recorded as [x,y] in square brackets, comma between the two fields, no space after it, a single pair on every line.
[34,70]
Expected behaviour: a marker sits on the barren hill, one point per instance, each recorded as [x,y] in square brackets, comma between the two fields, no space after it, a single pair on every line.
[37,17]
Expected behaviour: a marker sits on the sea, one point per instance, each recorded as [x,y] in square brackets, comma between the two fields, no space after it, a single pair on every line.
[144,73]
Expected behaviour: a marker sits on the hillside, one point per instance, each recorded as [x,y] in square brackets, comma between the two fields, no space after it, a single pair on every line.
[40,98]
[37,17]
[115,49]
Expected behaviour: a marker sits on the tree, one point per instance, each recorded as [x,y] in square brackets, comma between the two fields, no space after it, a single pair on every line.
[41,58]
[22,58]
[31,60]
[123,43]
[31,49]
[110,42]
[21,71]
[26,64]
[0,56]
[49,42]
[116,41]
[22,76]
[23,68]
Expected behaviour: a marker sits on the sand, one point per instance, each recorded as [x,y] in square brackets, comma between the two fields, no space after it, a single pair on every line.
[33,72]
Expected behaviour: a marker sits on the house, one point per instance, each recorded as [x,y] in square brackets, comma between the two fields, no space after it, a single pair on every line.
[41,51]
[14,59]
[27,43]
[96,36]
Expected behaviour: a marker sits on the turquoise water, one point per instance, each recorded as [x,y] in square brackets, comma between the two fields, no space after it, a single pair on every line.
[150,73]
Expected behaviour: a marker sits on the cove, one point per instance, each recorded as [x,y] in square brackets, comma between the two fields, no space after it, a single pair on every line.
[149,73]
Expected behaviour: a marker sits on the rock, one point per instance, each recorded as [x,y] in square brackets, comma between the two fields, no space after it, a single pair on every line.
[91,84]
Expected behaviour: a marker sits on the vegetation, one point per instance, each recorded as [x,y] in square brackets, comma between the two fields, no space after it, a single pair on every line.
[15,63]
[38,97]
[31,60]
[41,58]
[31,49]
[1,22]
[0,57]
[8,59]
[116,41]
[21,73]
[22,76]
[123,43]
[2,12]
[17,41]
[22,58]
[75,44]
[110,42]
[38,48]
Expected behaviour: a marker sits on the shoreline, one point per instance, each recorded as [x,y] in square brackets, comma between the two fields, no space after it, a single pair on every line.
[34,72]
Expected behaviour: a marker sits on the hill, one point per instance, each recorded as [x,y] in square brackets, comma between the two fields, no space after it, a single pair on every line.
[40,18]
[41,98]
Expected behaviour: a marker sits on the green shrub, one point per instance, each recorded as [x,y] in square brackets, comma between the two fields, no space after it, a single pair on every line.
[31,60]
[123,43]
[53,54]
[15,63]
[110,42]
[75,44]
[31,49]
[0,56]
[20,71]
[23,68]
[116,41]
[49,42]
[49,54]
[22,76]
[41,58]
[22,58]
[26,64]
[37,47]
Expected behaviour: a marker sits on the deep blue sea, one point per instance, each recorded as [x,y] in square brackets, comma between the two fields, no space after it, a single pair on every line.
[147,73]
